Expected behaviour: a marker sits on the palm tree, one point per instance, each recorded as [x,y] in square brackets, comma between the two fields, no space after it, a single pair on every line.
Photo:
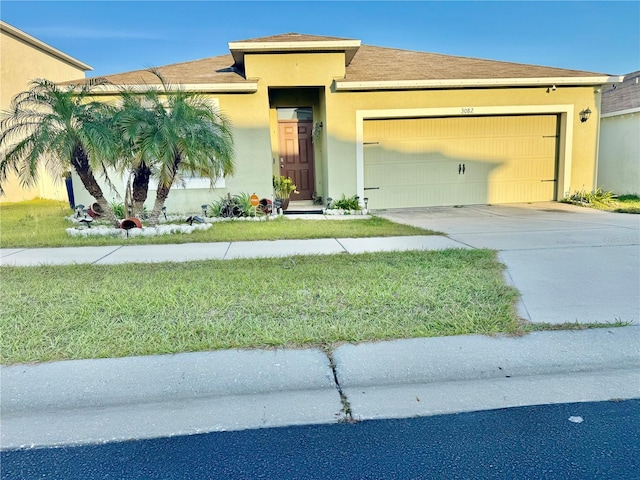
[177,133]
[61,129]
[129,120]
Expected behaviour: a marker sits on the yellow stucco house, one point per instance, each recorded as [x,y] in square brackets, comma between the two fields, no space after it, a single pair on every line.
[24,58]
[399,128]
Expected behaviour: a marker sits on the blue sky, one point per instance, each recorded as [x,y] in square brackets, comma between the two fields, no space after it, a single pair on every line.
[118,36]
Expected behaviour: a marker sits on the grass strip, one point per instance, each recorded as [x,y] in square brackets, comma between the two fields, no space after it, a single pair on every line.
[80,311]
[619,204]
[42,223]
[545,327]
[627,204]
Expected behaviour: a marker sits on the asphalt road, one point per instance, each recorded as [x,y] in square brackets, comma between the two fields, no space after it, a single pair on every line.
[565,441]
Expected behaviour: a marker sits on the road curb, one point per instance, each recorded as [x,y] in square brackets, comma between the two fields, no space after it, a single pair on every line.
[156,378]
[472,357]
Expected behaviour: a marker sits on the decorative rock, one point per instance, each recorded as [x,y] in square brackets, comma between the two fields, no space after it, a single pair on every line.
[166,229]
[339,211]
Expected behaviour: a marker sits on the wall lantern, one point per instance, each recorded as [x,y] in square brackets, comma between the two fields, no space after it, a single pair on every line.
[315,131]
[585,114]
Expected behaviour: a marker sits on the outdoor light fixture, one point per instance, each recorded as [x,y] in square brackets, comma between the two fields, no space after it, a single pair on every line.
[552,88]
[164,212]
[315,131]
[204,210]
[585,114]
[366,203]
[329,200]
[80,210]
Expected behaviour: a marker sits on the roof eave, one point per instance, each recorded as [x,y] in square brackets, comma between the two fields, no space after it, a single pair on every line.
[20,35]
[244,87]
[346,85]
[619,113]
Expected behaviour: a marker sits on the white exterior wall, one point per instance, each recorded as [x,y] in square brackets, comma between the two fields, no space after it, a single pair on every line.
[619,153]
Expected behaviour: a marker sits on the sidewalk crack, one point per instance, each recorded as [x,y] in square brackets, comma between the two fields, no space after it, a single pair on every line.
[226,252]
[342,246]
[105,256]
[346,406]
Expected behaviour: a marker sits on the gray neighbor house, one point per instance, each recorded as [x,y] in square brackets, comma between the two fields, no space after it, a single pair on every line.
[619,149]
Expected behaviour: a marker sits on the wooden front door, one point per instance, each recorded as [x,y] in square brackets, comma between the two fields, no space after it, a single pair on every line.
[296,156]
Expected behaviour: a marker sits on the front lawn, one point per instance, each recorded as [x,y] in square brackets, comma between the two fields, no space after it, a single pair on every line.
[42,223]
[81,311]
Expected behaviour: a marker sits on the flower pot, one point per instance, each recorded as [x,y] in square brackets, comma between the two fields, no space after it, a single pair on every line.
[284,203]
[266,205]
[129,223]
[95,210]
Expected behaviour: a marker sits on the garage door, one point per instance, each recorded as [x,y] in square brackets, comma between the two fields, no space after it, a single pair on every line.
[460,160]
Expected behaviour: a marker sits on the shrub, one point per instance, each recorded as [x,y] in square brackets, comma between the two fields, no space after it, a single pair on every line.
[118,209]
[594,198]
[283,187]
[351,203]
[233,206]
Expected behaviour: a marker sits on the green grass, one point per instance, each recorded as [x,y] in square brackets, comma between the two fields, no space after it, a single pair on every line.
[627,204]
[80,311]
[41,223]
[545,327]
[606,201]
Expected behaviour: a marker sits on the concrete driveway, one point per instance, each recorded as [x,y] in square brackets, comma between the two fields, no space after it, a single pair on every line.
[571,264]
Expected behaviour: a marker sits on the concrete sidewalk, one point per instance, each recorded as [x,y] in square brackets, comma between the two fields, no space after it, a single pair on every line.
[94,401]
[111,255]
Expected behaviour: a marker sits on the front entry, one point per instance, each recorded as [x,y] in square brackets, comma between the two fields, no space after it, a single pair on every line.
[296,156]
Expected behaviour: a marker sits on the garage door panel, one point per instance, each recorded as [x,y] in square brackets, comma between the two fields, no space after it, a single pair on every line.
[415,162]
[526,168]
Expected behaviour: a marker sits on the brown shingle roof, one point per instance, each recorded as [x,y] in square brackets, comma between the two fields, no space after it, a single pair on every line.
[625,95]
[292,37]
[386,64]
[370,64]
[205,71]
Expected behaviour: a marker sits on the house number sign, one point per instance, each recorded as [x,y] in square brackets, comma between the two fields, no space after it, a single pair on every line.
[467,110]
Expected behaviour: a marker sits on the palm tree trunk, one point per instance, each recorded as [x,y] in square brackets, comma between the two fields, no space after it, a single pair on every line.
[80,163]
[161,196]
[140,189]
[163,192]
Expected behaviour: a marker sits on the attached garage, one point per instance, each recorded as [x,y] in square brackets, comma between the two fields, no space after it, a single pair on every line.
[461,160]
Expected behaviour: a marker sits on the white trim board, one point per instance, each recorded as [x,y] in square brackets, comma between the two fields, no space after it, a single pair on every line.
[346,85]
[620,113]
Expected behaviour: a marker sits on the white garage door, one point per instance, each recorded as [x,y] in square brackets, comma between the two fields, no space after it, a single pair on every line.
[460,160]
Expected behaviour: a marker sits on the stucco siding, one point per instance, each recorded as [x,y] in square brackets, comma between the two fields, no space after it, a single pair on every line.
[619,159]
[20,63]
[295,69]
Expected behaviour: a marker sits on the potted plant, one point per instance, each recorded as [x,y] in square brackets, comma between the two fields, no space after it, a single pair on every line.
[283,187]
